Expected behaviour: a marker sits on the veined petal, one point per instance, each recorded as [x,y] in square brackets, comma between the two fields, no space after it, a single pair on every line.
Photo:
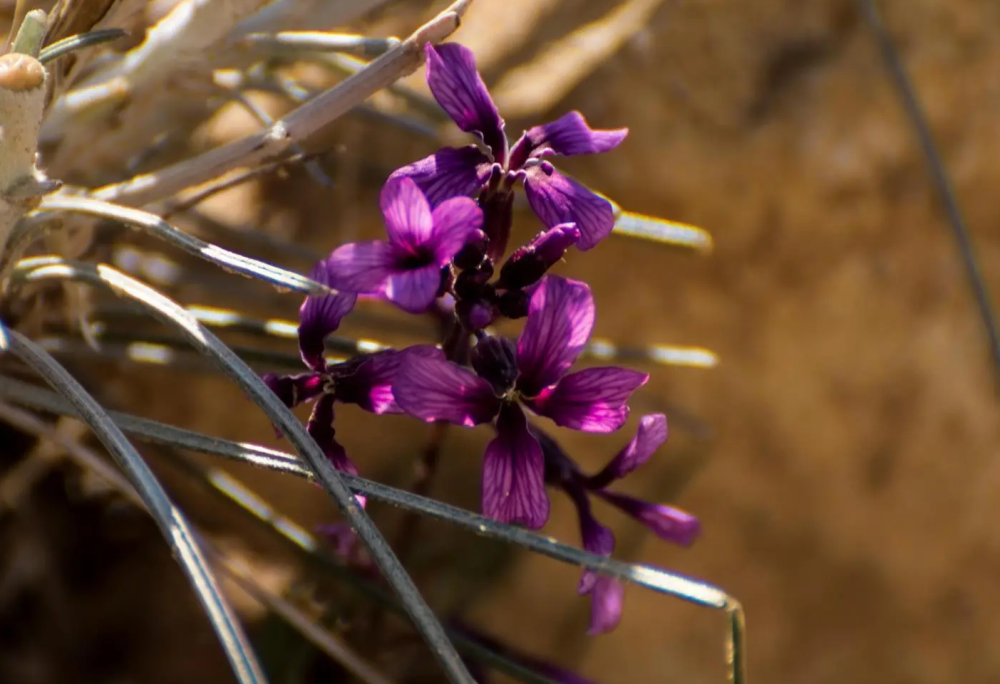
[591,400]
[570,135]
[431,388]
[560,319]
[459,89]
[652,433]
[407,214]
[513,484]
[362,266]
[556,199]
[320,316]
[596,538]
[455,221]
[666,522]
[320,427]
[449,172]
[414,291]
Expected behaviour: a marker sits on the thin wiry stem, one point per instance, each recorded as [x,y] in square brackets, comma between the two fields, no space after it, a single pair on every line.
[170,520]
[673,584]
[327,476]
[940,175]
[90,461]
[297,126]
[51,207]
[78,42]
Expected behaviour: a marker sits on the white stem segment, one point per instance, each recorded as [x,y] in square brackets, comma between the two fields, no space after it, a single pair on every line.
[22,101]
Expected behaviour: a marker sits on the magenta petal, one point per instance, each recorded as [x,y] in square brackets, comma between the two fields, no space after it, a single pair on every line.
[560,319]
[459,89]
[449,172]
[362,266]
[570,135]
[367,381]
[431,388]
[414,291]
[455,221]
[650,436]
[591,400]
[513,473]
[556,199]
[666,522]
[407,214]
[320,316]
[294,389]
[320,427]
[607,599]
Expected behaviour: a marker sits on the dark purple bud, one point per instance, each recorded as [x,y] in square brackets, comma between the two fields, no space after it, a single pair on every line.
[473,283]
[475,314]
[294,389]
[495,360]
[473,253]
[529,263]
[514,304]
[498,215]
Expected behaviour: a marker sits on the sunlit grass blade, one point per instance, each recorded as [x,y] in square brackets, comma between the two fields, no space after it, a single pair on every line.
[168,517]
[332,481]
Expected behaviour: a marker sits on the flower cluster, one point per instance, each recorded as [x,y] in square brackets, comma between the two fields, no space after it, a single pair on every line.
[448,221]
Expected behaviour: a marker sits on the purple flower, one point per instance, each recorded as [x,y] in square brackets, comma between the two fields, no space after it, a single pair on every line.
[667,522]
[532,374]
[406,268]
[365,380]
[491,169]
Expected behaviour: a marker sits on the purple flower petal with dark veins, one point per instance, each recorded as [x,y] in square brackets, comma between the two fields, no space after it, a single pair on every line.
[650,436]
[597,538]
[556,199]
[414,291]
[459,89]
[666,522]
[407,214]
[513,468]
[449,172]
[456,221]
[560,319]
[320,316]
[320,427]
[607,598]
[362,266]
[591,400]
[432,388]
[570,135]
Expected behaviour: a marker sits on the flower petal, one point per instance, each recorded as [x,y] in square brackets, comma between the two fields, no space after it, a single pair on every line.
[362,266]
[455,221]
[414,291]
[556,199]
[449,172]
[652,433]
[591,400]
[431,388]
[294,389]
[570,135]
[320,316]
[459,89]
[607,598]
[666,522]
[513,467]
[367,381]
[407,214]
[320,427]
[560,318]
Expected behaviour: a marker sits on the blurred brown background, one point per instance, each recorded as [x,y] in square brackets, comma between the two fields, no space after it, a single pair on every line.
[845,491]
